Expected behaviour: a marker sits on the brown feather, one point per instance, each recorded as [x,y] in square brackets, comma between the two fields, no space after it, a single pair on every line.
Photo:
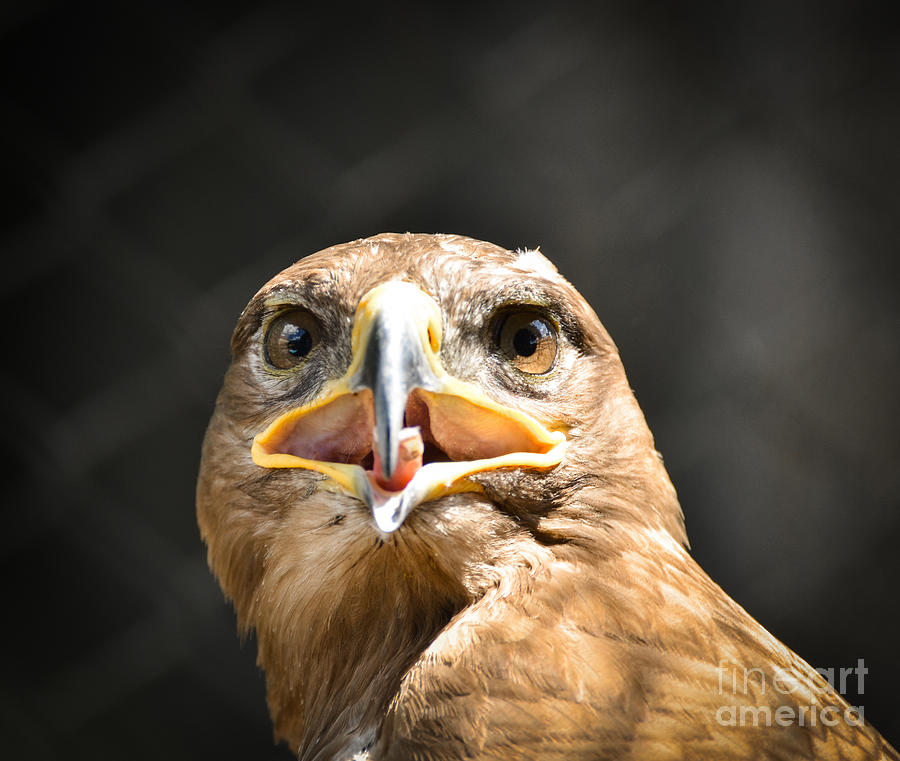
[554,615]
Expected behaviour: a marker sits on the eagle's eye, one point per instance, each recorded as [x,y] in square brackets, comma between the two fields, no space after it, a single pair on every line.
[291,336]
[528,339]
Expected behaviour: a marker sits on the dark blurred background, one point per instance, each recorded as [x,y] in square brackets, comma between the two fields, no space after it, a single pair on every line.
[719,179]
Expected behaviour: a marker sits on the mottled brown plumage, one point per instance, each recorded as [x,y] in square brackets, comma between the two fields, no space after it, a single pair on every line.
[554,613]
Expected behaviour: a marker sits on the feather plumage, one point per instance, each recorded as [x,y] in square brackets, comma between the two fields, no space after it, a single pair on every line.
[549,614]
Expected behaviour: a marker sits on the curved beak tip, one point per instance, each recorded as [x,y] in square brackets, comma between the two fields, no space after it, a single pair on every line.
[395,334]
[409,450]
[387,520]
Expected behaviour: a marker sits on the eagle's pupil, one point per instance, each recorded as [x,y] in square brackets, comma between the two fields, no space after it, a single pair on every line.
[525,342]
[299,341]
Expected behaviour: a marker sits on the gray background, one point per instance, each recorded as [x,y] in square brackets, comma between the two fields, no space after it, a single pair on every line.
[719,179]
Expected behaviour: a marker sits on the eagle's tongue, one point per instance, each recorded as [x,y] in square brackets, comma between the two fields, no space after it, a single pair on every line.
[409,460]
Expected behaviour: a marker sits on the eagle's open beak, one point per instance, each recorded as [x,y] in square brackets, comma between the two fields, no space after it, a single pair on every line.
[396,430]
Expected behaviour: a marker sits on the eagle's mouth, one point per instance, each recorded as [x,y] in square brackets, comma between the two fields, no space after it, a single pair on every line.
[397,430]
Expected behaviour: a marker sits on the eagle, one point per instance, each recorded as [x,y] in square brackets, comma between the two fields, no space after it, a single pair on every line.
[429,491]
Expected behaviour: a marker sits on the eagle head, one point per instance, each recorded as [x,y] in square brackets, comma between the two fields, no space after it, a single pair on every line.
[408,422]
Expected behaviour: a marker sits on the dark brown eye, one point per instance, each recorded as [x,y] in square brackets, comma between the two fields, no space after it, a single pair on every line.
[290,338]
[528,340]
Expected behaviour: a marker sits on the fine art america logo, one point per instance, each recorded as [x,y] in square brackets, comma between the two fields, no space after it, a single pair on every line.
[752,697]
